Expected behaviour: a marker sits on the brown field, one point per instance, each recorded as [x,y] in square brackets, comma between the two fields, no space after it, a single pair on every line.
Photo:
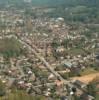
[87,78]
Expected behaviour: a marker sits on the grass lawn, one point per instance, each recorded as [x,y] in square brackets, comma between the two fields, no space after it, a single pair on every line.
[88,70]
[22,96]
[10,47]
[76,51]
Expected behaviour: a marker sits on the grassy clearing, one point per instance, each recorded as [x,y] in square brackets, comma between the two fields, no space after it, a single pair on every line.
[10,47]
[88,70]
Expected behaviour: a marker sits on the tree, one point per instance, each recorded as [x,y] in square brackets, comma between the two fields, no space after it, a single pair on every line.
[2,89]
[65,43]
[10,47]
[55,42]
[92,87]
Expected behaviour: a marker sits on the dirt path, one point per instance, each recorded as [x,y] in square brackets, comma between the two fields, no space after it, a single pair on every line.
[87,78]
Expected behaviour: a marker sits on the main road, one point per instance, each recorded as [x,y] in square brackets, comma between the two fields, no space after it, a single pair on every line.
[42,59]
[48,66]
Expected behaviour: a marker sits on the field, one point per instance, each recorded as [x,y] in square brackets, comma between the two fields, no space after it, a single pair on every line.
[10,47]
[88,71]
[86,78]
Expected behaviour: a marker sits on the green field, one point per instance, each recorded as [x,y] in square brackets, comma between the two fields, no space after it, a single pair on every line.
[21,95]
[88,70]
[10,47]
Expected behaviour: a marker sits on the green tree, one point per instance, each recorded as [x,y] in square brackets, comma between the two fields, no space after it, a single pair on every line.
[92,87]
[2,89]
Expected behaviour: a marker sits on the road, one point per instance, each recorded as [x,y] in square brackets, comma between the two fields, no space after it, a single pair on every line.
[48,66]
[86,79]
[42,59]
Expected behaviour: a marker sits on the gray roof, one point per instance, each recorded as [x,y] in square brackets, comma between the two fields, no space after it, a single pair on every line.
[67,63]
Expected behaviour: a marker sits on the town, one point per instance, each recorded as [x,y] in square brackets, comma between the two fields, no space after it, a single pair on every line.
[46,56]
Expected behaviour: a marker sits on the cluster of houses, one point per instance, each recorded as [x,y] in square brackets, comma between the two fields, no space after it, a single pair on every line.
[29,73]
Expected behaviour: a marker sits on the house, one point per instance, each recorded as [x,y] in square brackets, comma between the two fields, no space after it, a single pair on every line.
[60,19]
[68,64]
[60,49]
[32,77]
[51,77]
[59,83]
[90,97]
[47,93]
